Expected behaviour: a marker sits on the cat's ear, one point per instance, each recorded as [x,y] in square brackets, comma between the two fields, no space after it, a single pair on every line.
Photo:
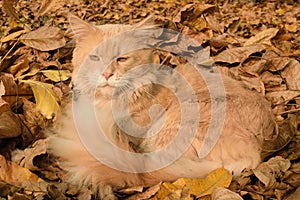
[147,22]
[80,28]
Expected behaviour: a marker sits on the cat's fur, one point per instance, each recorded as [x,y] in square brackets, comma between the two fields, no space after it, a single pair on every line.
[249,120]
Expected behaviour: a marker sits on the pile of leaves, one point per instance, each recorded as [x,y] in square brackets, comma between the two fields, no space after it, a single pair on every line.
[257,42]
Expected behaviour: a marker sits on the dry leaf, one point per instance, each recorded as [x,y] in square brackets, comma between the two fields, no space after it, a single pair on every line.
[13,36]
[14,174]
[25,158]
[147,194]
[294,196]
[183,188]
[263,37]
[19,68]
[44,38]
[57,75]
[9,8]
[277,96]
[41,92]
[224,194]
[217,178]
[291,74]
[10,125]
[238,54]
[268,172]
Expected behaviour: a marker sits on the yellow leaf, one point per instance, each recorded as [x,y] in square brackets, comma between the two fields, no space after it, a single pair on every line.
[184,188]
[57,75]
[263,37]
[45,98]
[13,35]
[217,178]
[293,28]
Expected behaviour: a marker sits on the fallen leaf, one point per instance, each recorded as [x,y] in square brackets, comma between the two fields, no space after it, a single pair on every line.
[183,188]
[295,195]
[291,74]
[25,157]
[270,79]
[57,75]
[146,194]
[14,91]
[224,194]
[10,125]
[277,96]
[238,54]
[14,174]
[293,28]
[263,37]
[19,68]
[217,178]
[42,91]
[269,171]
[34,119]
[44,38]
[9,8]
[13,36]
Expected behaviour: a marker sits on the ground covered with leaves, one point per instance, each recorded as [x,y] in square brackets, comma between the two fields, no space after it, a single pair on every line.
[257,42]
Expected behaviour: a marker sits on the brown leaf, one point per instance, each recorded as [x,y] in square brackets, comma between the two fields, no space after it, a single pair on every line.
[270,79]
[13,92]
[291,74]
[263,37]
[44,38]
[147,194]
[10,125]
[238,54]
[9,8]
[14,174]
[224,194]
[294,196]
[278,96]
[24,158]
[275,62]
[268,172]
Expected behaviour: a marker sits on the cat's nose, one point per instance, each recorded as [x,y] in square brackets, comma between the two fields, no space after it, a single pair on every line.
[107,75]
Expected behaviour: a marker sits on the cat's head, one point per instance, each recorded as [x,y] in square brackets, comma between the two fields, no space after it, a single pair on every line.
[87,55]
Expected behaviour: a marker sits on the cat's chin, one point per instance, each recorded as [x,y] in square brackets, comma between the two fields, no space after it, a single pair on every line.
[105,92]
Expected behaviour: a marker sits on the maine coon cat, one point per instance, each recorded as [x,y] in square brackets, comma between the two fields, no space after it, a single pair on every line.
[249,121]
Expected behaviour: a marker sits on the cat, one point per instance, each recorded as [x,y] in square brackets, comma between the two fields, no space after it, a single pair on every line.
[248,123]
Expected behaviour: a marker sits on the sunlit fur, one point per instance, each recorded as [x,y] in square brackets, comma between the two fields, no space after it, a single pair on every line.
[249,120]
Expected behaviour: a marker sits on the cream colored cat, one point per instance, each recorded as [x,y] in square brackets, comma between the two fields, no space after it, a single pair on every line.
[248,124]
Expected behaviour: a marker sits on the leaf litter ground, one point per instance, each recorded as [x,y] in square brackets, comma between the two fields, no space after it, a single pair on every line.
[257,42]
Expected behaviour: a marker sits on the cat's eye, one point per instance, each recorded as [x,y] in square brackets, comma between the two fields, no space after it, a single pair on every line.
[121,59]
[94,57]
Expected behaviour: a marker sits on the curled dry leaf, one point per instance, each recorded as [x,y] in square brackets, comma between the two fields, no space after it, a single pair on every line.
[25,158]
[263,37]
[146,194]
[269,171]
[44,38]
[224,194]
[238,54]
[42,91]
